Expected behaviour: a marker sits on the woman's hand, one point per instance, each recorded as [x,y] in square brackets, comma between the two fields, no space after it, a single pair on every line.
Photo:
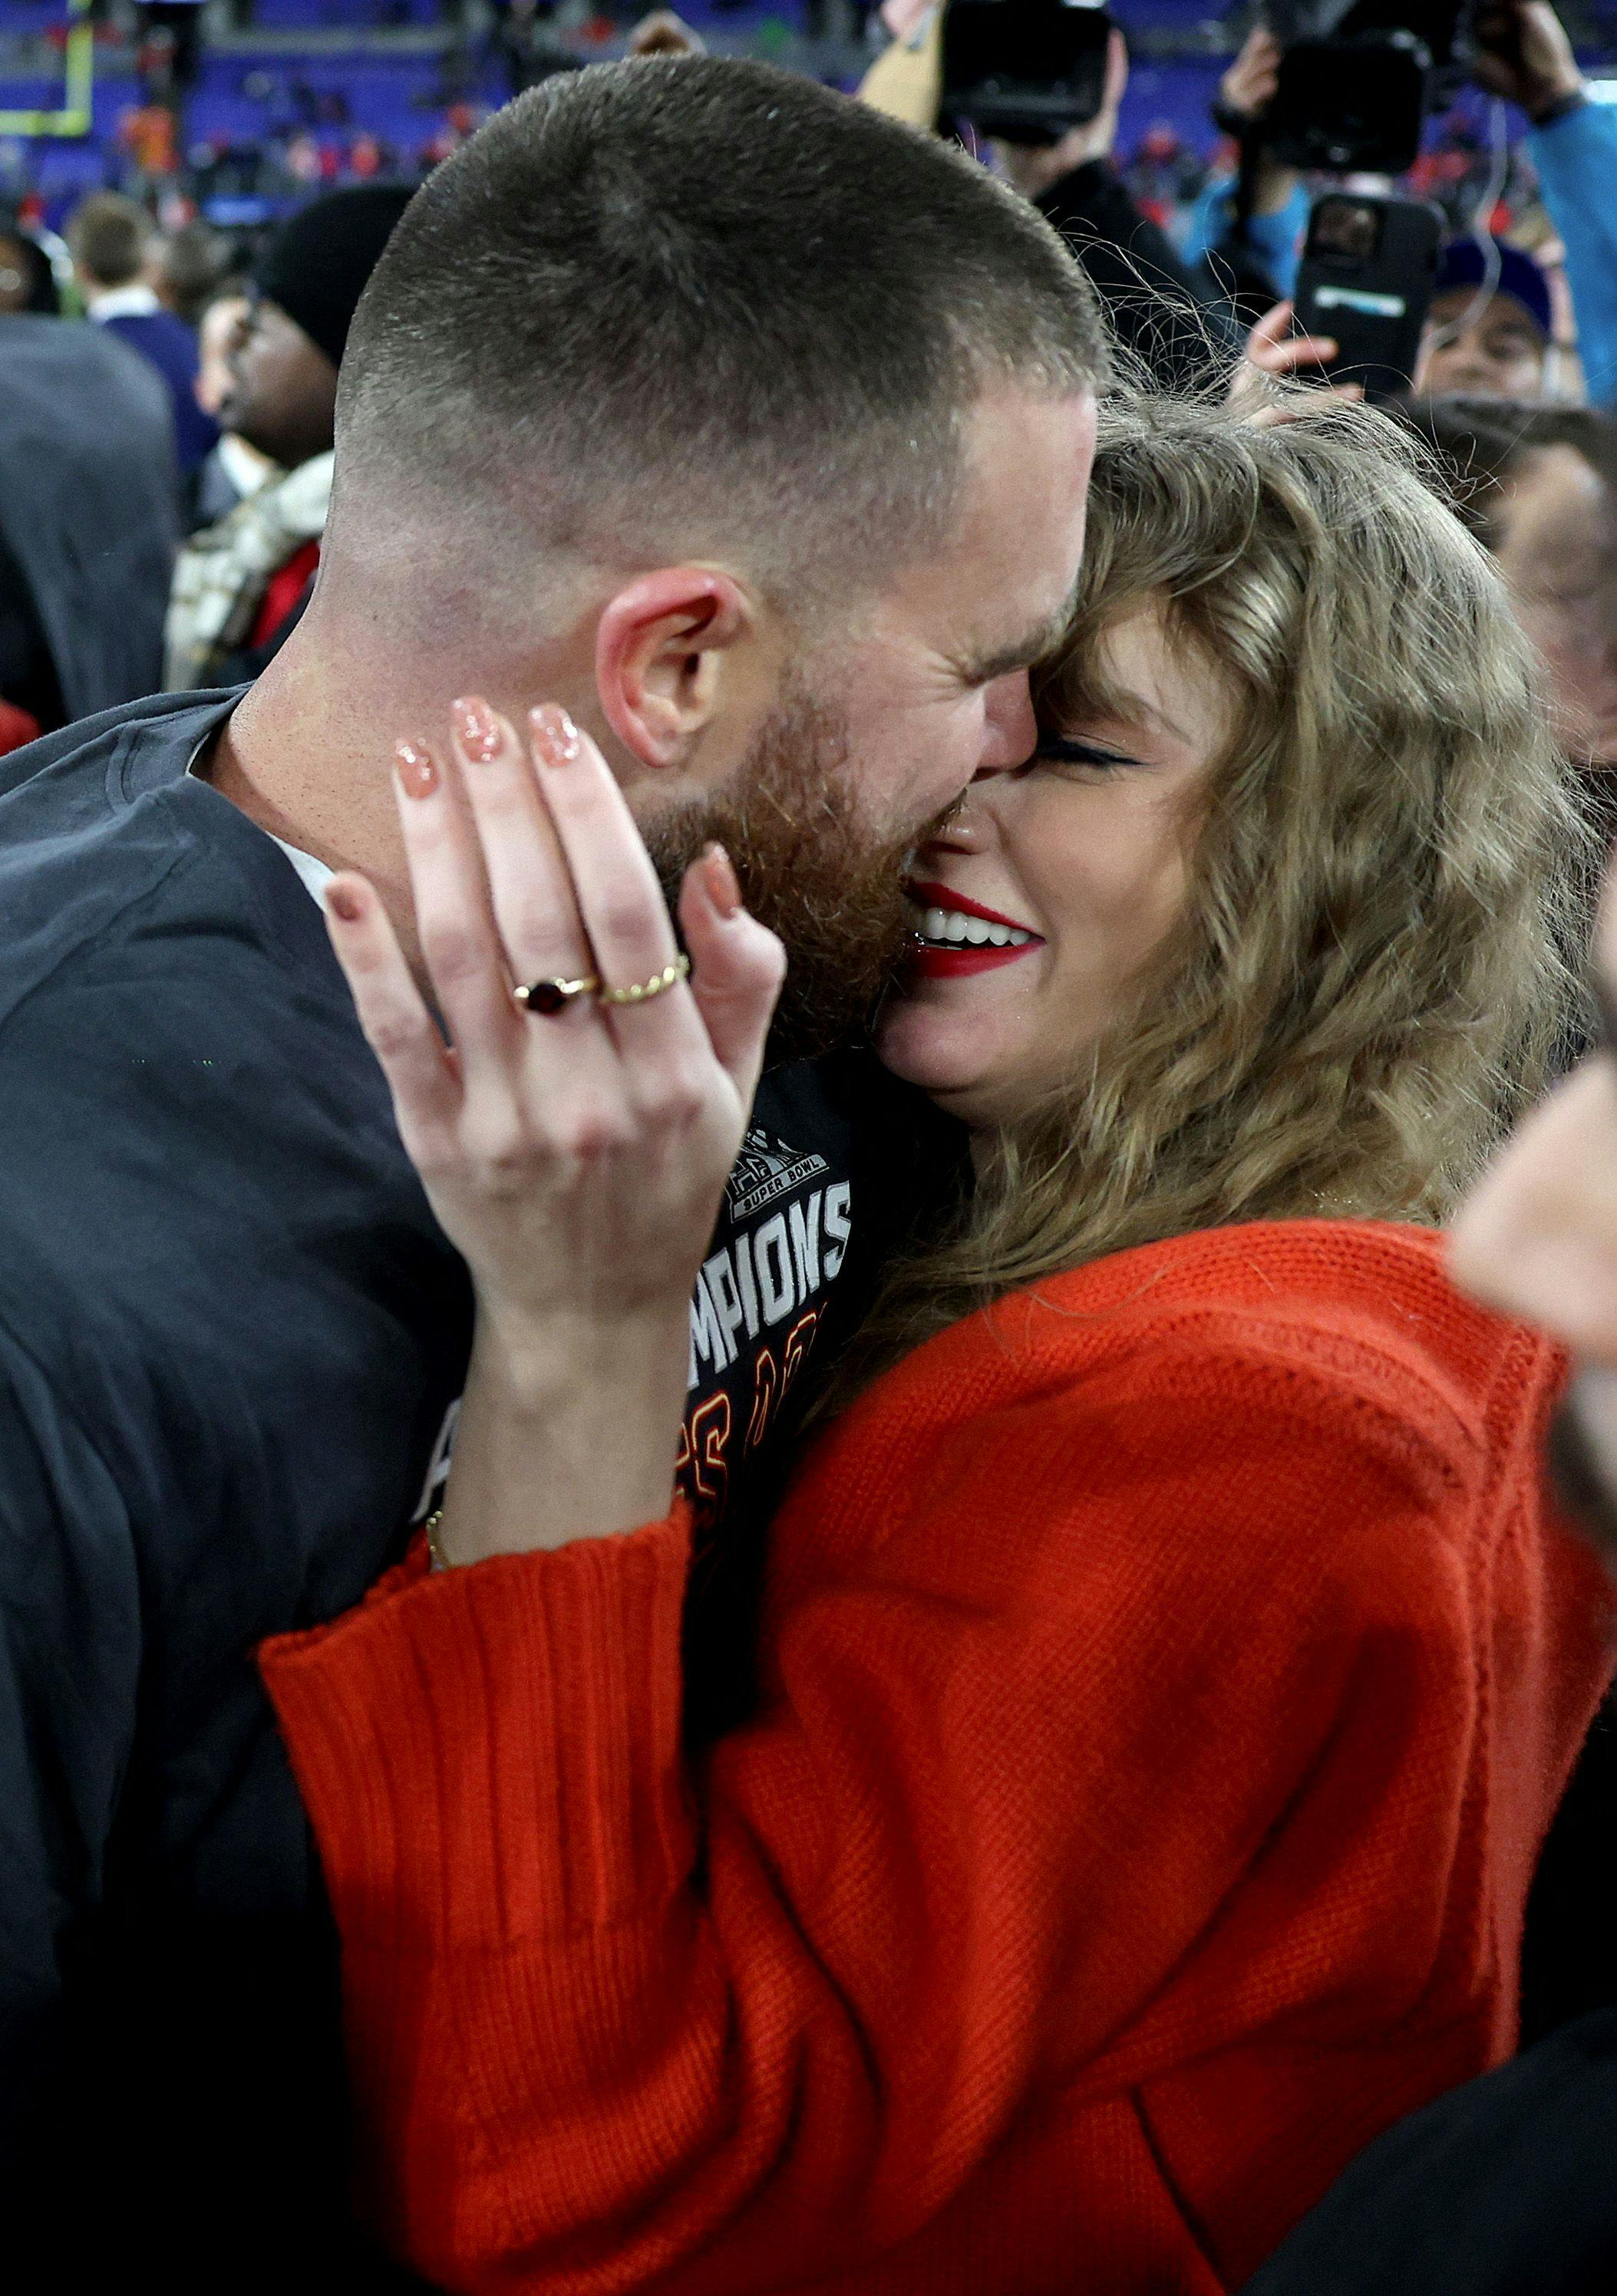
[575,1159]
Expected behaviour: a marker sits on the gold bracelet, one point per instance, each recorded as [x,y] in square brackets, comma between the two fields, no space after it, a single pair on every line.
[437,1558]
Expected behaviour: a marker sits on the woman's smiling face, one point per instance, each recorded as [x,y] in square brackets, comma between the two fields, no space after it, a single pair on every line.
[1052,886]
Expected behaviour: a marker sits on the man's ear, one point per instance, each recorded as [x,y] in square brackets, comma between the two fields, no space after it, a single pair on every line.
[660,645]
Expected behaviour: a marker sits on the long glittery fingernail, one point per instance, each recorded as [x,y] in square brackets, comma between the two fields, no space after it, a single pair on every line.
[413,763]
[555,737]
[474,722]
[718,872]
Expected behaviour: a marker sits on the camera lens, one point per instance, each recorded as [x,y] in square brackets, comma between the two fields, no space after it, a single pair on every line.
[1349,228]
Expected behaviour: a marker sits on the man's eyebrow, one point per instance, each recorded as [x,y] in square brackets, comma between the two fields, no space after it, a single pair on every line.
[1020,653]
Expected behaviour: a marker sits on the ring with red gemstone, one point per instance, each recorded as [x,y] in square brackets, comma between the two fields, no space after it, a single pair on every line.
[550,996]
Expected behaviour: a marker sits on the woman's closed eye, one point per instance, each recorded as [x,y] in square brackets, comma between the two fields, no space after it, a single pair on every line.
[1073,750]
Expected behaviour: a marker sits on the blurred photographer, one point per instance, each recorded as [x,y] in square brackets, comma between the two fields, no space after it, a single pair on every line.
[1526,57]
[1149,295]
[1247,228]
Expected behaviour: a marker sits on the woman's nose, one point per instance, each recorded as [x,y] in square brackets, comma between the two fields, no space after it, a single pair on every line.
[964,829]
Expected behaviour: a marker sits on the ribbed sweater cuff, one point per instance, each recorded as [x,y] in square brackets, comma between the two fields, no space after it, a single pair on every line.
[515,1722]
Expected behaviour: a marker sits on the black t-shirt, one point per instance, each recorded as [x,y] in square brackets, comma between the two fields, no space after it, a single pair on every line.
[1505,2188]
[232,1337]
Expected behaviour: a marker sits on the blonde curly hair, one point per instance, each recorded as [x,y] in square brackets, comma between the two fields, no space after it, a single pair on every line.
[1371,976]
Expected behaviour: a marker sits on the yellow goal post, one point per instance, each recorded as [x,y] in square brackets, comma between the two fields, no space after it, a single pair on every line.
[79,80]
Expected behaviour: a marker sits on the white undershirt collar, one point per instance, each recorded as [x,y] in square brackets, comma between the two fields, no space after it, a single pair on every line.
[134,301]
[316,875]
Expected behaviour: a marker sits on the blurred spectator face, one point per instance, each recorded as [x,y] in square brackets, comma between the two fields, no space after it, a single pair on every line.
[1539,1240]
[16,275]
[282,393]
[1557,550]
[186,268]
[110,238]
[223,325]
[1497,352]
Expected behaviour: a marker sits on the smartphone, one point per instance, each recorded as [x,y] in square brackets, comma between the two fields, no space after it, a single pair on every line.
[1365,277]
[1026,70]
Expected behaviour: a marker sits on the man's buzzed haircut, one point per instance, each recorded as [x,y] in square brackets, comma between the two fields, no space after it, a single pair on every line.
[704,307]
[109,236]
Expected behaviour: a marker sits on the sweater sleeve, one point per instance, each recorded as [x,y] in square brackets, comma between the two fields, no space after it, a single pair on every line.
[1576,158]
[615,2025]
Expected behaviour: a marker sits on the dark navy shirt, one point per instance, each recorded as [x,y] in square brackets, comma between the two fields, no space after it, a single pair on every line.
[232,1336]
[1505,2188]
[171,348]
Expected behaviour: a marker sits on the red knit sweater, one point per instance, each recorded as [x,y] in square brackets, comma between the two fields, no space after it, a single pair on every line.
[1168,1682]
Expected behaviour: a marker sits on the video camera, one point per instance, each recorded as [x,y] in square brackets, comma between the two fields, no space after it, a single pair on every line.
[1025,69]
[1357,79]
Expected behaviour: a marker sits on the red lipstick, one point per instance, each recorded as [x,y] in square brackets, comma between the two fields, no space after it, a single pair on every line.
[928,964]
[928,961]
[940,896]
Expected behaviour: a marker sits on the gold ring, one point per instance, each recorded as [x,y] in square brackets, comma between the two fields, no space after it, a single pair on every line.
[642,991]
[548,996]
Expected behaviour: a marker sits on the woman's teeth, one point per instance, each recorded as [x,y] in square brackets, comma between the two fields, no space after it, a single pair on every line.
[949,928]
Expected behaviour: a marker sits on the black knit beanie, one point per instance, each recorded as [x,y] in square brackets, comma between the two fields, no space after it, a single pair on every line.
[317,266]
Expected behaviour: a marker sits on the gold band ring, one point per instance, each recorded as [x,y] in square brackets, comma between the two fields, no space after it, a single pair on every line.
[551,997]
[642,991]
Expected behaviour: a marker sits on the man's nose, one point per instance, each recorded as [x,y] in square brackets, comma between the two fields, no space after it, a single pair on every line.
[1010,730]
[1466,362]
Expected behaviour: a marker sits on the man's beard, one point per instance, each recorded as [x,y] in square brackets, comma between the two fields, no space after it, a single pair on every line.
[809,868]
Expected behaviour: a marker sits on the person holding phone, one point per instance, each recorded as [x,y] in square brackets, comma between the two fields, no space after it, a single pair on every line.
[1149,295]
[1381,308]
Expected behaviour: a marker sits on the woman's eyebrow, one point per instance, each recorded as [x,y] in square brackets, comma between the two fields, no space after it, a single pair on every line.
[1136,710]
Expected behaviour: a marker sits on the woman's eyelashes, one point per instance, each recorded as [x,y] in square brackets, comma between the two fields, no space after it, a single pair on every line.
[1072,750]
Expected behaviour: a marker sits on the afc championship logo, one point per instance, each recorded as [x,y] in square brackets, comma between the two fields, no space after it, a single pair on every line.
[761,1291]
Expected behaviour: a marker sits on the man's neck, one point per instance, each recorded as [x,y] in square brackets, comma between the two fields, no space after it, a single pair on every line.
[307,761]
[308,754]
